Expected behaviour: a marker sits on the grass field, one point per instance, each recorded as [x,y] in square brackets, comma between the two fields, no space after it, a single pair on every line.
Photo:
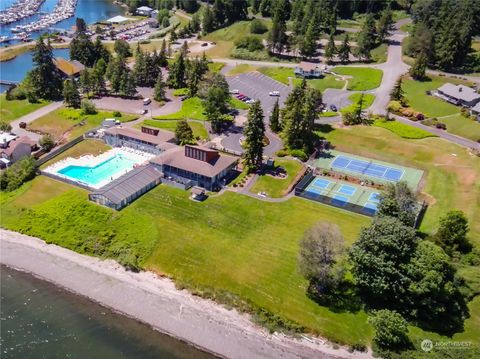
[362,78]
[11,110]
[403,130]
[379,54]
[239,105]
[276,187]
[368,99]
[199,130]
[461,126]
[89,146]
[240,69]
[281,74]
[69,123]
[192,108]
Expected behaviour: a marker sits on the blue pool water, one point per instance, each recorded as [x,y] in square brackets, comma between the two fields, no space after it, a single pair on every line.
[104,171]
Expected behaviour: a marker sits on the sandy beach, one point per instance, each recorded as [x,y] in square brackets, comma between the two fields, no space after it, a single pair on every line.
[155,301]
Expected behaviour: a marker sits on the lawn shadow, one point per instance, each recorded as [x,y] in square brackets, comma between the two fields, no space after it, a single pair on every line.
[343,299]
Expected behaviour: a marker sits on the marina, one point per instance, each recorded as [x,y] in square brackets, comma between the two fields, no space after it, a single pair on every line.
[19,10]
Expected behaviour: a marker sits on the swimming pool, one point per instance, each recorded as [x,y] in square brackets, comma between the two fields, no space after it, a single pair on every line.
[102,172]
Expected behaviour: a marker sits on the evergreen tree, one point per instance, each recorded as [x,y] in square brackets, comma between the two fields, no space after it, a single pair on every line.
[275,124]
[208,21]
[159,90]
[100,51]
[176,76]
[162,56]
[277,37]
[184,133]
[122,49]
[419,68]
[330,50]
[356,117]
[97,77]
[397,93]
[85,81]
[308,44]
[452,233]
[367,38]
[344,50]
[44,78]
[215,106]
[71,96]
[254,133]
[385,24]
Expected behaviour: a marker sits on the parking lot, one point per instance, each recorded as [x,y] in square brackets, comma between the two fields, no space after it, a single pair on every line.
[257,86]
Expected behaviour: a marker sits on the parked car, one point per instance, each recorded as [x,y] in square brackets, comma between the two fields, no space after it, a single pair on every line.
[274,93]
[143,111]
[333,108]
[234,92]
[205,44]
[241,97]
[250,101]
[146,101]
[246,99]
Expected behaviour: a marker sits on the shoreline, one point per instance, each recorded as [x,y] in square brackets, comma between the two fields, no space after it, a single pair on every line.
[155,301]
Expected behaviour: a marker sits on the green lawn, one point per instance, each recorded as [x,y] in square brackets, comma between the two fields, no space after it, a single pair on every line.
[91,147]
[11,110]
[461,126]
[281,74]
[199,130]
[379,54]
[368,99]
[276,187]
[403,130]
[362,78]
[68,123]
[215,66]
[239,105]
[192,108]
[242,68]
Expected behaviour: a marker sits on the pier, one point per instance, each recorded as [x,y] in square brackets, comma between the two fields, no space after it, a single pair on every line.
[8,83]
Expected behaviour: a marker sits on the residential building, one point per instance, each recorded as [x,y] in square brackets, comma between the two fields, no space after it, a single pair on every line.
[475,111]
[150,140]
[144,11]
[199,166]
[308,69]
[17,149]
[459,95]
[68,68]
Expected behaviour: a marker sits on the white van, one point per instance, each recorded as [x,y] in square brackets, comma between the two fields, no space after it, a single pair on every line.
[146,101]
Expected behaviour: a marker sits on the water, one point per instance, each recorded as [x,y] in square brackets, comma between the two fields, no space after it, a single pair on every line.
[114,166]
[90,10]
[39,320]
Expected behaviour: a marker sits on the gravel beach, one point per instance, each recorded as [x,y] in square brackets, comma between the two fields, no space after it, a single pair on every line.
[155,301]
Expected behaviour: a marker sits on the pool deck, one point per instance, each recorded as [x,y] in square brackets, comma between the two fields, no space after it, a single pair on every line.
[410,175]
[91,161]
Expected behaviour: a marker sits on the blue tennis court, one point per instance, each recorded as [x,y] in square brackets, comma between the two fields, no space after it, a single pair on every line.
[374,197]
[315,190]
[370,208]
[346,189]
[367,168]
[320,182]
[339,200]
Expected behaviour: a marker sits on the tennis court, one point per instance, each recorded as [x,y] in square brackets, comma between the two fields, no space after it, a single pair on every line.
[366,168]
[337,193]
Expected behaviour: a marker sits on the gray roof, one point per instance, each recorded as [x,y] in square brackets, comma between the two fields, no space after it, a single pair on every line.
[476,108]
[459,92]
[144,8]
[160,139]
[128,184]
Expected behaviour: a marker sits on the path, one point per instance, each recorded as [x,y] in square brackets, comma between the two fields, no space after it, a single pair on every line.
[175,312]
[32,116]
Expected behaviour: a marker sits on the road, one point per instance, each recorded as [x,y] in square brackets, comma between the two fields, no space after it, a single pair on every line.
[32,116]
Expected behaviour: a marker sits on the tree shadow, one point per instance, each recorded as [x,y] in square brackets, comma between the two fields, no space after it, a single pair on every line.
[343,299]
[324,128]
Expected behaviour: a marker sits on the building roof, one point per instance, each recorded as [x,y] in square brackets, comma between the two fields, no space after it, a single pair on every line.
[118,19]
[459,92]
[175,157]
[307,66]
[160,139]
[6,137]
[13,144]
[476,108]
[69,68]
[144,8]
[129,184]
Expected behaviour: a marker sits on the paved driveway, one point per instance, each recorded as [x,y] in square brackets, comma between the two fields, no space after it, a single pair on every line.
[257,86]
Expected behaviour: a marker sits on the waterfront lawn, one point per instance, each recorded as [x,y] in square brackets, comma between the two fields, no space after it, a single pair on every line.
[403,130]
[275,186]
[199,130]
[282,74]
[192,108]
[86,147]
[67,123]
[450,181]
[11,110]
[360,78]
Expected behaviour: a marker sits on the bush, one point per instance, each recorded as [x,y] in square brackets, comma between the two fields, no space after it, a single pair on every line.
[441,126]
[15,93]
[116,114]
[391,330]
[420,116]
[88,108]
[258,27]
[300,154]
[394,106]
[5,126]
[250,43]
[282,153]
[47,142]
[21,171]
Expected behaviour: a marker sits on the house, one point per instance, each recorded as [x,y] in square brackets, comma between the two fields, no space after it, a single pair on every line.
[127,188]
[475,111]
[459,95]
[6,138]
[308,69]
[150,140]
[118,20]
[17,149]
[199,166]
[68,68]
[144,11]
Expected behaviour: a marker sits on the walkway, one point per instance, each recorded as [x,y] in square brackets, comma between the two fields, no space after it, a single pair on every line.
[32,116]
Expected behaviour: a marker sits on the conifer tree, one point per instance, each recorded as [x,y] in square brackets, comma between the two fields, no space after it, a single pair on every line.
[159,90]
[71,96]
[184,133]
[176,76]
[419,68]
[330,50]
[344,50]
[275,124]
[254,133]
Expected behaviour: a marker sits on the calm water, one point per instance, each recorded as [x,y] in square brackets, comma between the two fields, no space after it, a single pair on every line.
[39,320]
[101,172]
